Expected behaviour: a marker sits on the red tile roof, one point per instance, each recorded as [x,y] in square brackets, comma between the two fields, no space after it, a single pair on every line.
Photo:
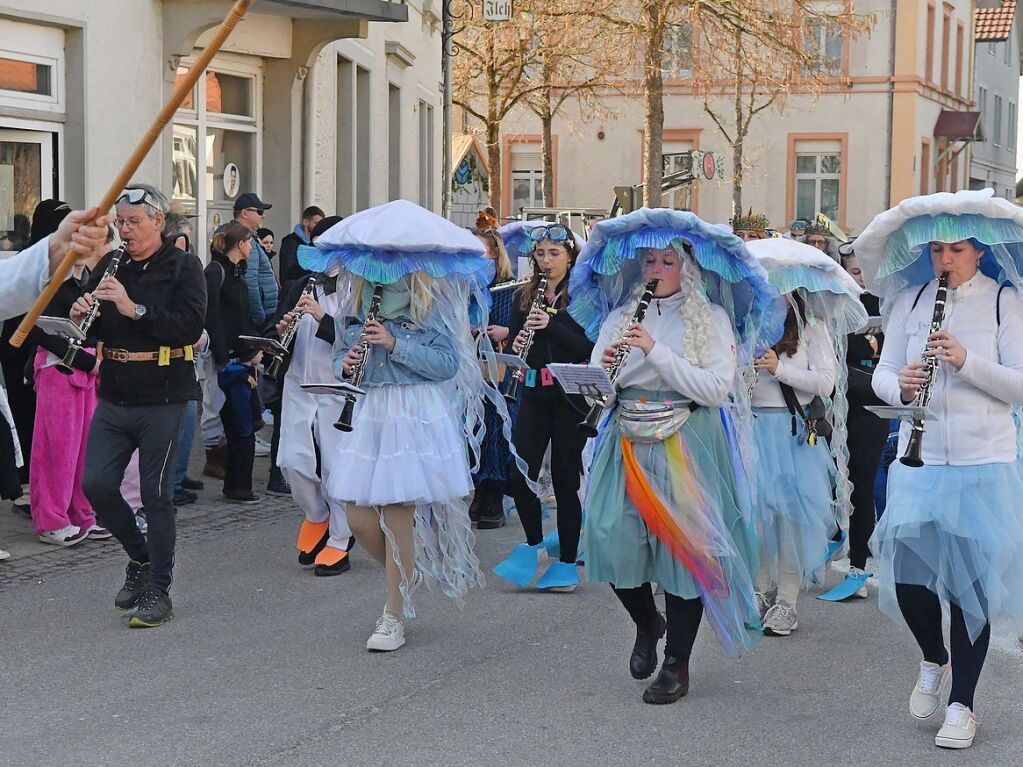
[993,25]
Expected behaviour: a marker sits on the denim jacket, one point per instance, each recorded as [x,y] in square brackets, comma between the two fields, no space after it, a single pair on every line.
[420,354]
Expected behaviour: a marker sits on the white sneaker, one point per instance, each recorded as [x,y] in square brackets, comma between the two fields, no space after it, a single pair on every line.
[926,695]
[97,533]
[861,592]
[4,554]
[141,522]
[268,418]
[262,447]
[780,620]
[389,635]
[66,536]
[959,729]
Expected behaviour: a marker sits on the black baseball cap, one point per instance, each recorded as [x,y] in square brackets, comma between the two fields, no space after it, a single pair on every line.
[250,200]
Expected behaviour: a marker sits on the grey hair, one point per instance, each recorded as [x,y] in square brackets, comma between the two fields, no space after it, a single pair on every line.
[163,204]
[175,223]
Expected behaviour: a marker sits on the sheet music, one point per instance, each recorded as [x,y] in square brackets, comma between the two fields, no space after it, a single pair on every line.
[60,326]
[588,380]
[270,345]
[888,412]
[332,387]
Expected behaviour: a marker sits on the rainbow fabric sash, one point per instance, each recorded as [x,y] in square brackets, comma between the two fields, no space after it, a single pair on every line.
[691,530]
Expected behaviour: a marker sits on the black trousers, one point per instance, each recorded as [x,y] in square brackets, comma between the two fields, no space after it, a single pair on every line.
[922,611]
[549,419]
[241,453]
[683,617]
[867,435]
[116,432]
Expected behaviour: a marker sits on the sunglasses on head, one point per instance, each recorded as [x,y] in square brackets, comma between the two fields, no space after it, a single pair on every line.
[552,232]
[134,195]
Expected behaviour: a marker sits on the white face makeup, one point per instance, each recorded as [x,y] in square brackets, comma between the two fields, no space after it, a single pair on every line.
[665,266]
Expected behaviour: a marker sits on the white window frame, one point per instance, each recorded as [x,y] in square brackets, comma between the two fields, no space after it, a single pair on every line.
[202,121]
[823,31]
[817,176]
[671,67]
[34,44]
[45,134]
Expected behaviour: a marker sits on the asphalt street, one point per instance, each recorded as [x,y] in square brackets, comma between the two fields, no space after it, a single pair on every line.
[265,664]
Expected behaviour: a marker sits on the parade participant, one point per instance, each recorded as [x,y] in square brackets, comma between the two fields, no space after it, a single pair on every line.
[797,397]
[487,508]
[667,499]
[227,317]
[66,399]
[952,531]
[866,439]
[309,442]
[543,333]
[752,226]
[403,468]
[150,313]
[289,268]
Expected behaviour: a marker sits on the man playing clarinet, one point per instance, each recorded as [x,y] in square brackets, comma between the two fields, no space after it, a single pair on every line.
[150,313]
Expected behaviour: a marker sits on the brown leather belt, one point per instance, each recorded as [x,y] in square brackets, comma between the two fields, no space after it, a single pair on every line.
[122,355]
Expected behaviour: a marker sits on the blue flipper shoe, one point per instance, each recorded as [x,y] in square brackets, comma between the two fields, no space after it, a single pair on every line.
[851,584]
[552,543]
[560,576]
[520,566]
[836,546]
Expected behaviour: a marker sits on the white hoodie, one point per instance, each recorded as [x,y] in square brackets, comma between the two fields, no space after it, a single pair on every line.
[969,419]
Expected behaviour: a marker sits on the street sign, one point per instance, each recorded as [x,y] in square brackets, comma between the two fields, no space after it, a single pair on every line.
[497,10]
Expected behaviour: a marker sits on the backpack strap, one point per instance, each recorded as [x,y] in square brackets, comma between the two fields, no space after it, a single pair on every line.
[918,294]
[998,304]
[792,403]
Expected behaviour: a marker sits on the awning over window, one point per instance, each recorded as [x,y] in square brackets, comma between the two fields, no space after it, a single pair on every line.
[959,126]
[372,10]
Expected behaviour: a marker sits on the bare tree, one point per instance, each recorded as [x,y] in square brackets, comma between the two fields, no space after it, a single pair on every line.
[491,60]
[778,51]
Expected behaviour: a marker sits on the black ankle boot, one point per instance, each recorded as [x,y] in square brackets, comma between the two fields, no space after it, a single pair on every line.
[643,661]
[671,684]
[479,501]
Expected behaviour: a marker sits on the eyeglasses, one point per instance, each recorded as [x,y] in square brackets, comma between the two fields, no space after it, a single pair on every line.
[134,195]
[552,232]
[128,223]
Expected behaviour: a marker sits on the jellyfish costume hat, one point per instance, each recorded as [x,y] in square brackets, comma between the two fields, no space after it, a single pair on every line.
[442,266]
[831,298]
[691,490]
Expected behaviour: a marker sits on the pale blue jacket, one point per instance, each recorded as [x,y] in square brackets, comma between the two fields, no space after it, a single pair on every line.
[262,285]
[420,354]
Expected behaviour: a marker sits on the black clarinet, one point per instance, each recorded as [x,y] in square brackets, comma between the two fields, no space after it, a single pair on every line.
[273,367]
[344,421]
[588,427]
[539,302]
[75,344]
[923,395]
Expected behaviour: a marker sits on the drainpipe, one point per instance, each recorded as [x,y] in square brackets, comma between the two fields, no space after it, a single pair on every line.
[891,103]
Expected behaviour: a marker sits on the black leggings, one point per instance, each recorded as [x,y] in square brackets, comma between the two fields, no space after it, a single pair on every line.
[867,435]
[922,610]
[544,420]
[683,616]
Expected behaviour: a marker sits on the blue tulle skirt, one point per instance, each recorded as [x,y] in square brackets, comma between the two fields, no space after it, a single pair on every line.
[793,507]
[958,531]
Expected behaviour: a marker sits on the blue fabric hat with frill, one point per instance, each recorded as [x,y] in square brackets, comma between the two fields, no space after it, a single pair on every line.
[893,252]
[830,290]
[609,269]
[388,242]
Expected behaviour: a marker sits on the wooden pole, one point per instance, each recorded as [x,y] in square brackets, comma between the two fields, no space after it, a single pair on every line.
[181,92]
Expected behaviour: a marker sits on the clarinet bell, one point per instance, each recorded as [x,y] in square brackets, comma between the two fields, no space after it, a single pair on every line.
[273,367]
[588,427]
[912,456]
[511,394]
[344,421]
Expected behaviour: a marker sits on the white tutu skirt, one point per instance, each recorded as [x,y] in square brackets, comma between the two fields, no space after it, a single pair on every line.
[958,531]
[406,446]
[793,509]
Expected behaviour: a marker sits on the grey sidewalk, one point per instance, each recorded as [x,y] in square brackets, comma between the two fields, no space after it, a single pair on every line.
[265,665]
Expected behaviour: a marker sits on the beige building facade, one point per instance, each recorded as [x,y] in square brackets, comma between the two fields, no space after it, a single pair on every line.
[864,142]
[328,102]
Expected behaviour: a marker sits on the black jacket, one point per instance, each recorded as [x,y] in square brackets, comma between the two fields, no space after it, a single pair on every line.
[288,268]
[861,360]
[170,285]
[563,340]
[228,313]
